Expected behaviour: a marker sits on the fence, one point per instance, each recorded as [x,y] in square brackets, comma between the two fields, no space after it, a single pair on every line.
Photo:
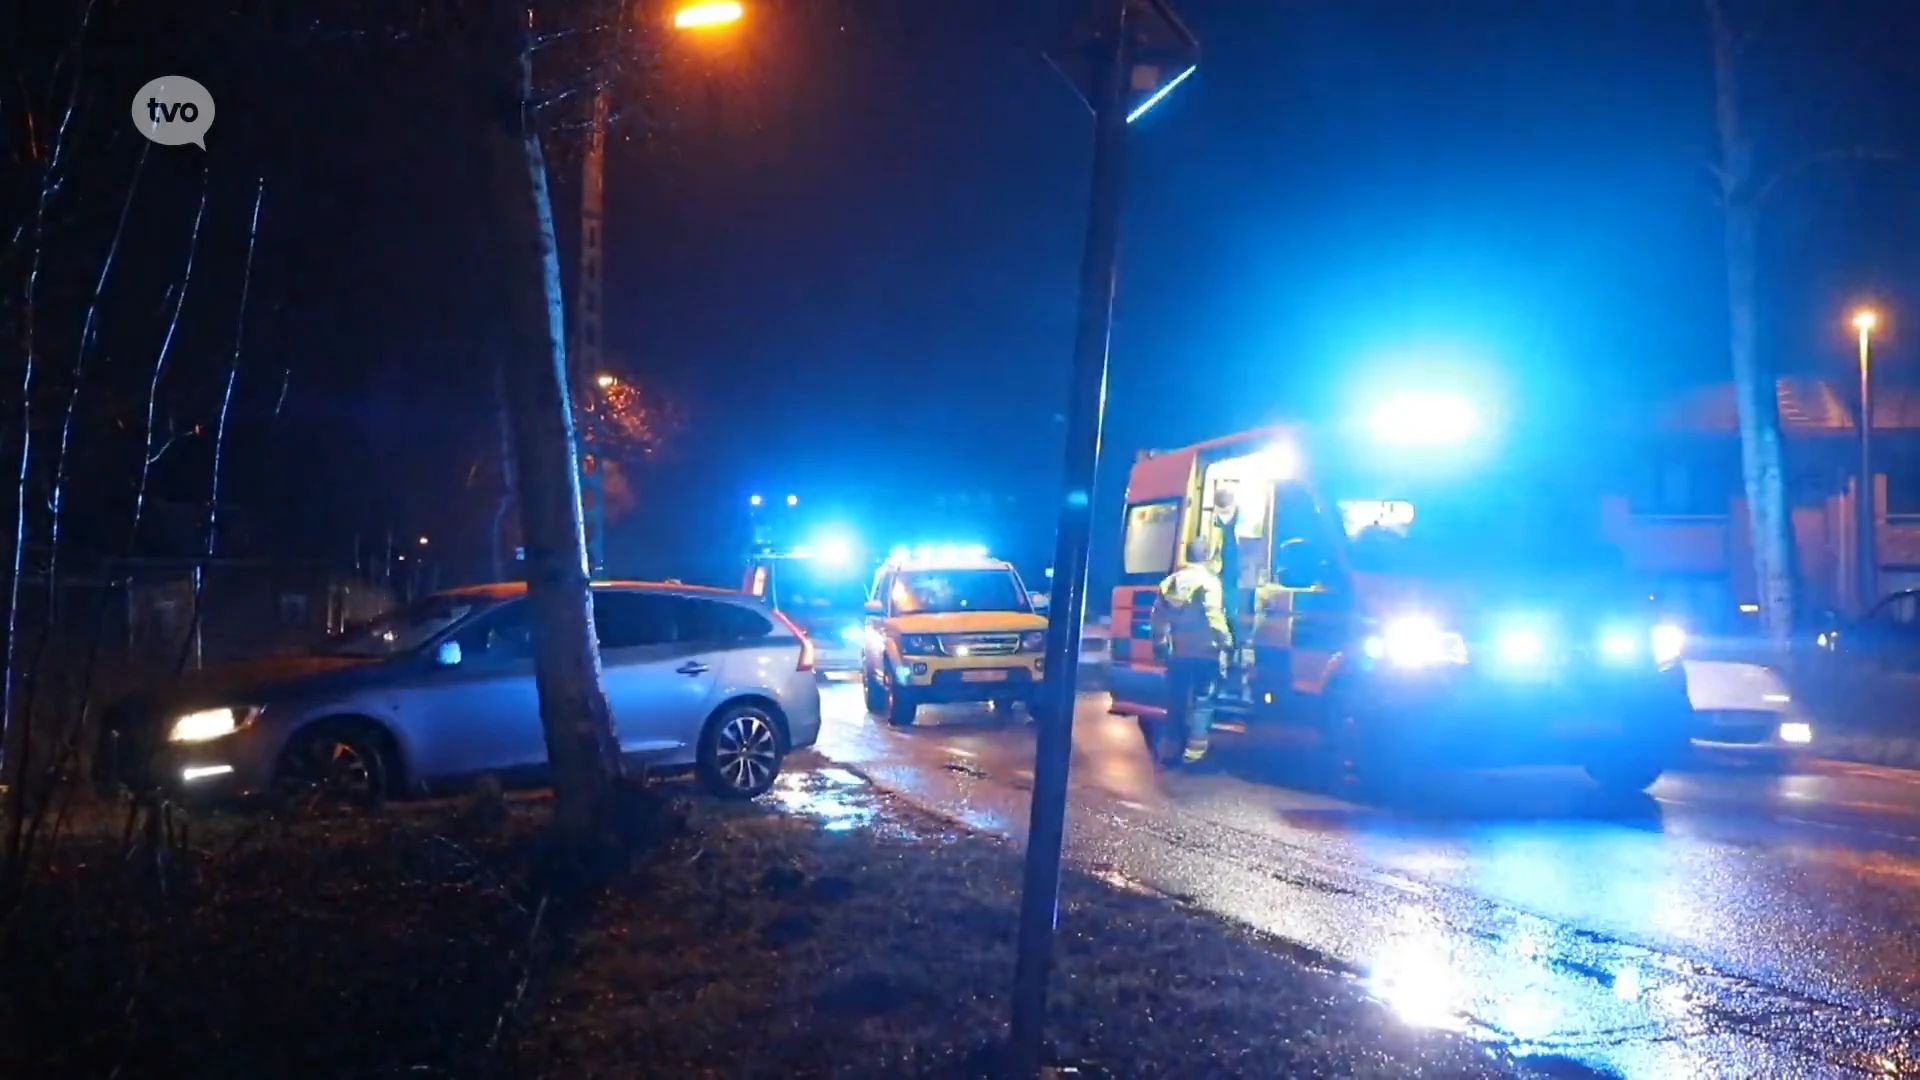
[89,637]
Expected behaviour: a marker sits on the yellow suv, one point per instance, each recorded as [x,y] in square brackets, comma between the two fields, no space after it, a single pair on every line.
[945,627]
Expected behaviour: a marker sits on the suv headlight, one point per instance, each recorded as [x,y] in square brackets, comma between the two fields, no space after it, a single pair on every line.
[209,724]
[1033,641]
[920,644]
[1416,641]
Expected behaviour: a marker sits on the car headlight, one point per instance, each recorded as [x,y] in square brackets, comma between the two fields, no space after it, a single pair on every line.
[209,724]
[1668,641]
[853,635]
[1415,641]
[920,644]
[1521,645]
[1033,641]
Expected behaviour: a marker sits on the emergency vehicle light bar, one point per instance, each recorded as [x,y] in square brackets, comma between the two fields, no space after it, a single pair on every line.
[938,553]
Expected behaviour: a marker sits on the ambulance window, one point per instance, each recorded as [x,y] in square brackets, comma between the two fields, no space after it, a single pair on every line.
[1295,516]
[1153,529]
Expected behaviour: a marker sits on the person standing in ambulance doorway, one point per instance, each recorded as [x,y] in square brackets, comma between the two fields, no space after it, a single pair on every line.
[1190,627]
[1226,523]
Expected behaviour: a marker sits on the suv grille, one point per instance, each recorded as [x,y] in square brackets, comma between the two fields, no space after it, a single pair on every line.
[980,644]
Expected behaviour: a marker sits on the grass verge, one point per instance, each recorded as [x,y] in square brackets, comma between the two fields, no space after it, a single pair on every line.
[857,937]
[881,945]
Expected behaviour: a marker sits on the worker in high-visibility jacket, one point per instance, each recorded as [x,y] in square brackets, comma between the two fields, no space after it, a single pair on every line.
[1191,624]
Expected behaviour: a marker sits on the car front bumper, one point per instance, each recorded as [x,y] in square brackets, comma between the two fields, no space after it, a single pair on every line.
[1476,719]
[982,678]
[235,768]
[1756,732]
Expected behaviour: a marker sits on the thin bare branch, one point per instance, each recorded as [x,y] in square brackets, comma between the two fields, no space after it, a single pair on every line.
[80,367]
[51,179]
[233,376]
[1792,174]
[160,366]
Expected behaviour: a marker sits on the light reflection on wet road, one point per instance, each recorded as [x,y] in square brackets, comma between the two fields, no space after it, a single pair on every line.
[1732,924]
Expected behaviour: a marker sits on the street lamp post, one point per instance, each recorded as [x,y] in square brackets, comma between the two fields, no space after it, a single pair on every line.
[585,348]
[1863,496]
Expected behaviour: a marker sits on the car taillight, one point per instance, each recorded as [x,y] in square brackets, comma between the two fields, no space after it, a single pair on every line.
[806,643]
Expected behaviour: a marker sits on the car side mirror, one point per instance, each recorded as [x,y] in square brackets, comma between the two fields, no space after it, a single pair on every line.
[1041,601]
[874,607]
[448,654]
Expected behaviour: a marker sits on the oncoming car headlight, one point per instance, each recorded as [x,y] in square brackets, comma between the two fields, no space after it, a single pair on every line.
[1416,641]
[1668,641]
[209,724]
[1663,642]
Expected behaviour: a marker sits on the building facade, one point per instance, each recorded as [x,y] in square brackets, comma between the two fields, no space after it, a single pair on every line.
[1679,512]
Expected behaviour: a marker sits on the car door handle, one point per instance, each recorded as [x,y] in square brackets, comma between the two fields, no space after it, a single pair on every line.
[692,667]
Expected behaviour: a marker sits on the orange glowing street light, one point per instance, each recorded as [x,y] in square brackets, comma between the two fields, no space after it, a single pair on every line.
[709,13]
[1865,498]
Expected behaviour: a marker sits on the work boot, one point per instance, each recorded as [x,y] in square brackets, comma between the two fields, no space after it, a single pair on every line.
[1196,750]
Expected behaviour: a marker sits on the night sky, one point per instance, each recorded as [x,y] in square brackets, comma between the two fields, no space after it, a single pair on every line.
[844,241]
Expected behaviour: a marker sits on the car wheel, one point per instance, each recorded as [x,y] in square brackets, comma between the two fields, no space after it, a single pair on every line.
[1625,776]
[901,706]
[876,695]
[1163,749]
[349,764]
[740,752]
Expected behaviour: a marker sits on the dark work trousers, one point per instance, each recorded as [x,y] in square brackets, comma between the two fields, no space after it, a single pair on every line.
[1231,607]
[1191,685]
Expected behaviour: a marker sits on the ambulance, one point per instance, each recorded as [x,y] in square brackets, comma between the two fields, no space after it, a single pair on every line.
[1406,604]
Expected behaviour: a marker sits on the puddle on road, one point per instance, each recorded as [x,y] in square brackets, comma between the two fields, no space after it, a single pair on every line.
[840,801]
[1541,993]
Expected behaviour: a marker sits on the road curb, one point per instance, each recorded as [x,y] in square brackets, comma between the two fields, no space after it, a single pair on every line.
[1898,753]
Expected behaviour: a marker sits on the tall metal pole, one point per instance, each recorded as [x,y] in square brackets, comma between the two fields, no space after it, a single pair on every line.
[1864,500]
[1086,409]
[586,334]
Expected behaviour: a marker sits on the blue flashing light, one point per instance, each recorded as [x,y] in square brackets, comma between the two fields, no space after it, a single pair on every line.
[836,550]
[1620,644]
[1141,110]
[1521,645]
[1425,419]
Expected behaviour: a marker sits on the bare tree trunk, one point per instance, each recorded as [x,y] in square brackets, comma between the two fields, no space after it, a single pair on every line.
[1770,517]
[504,423]
[582,750]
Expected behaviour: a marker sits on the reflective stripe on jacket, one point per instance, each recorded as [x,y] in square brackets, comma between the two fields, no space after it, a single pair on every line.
[1188,611]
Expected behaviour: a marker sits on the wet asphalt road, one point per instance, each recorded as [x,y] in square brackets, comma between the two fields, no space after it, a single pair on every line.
[1736,922]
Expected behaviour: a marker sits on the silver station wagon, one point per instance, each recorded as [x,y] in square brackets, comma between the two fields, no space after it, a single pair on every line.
[443,690]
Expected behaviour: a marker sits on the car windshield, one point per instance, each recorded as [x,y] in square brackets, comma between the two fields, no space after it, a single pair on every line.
[928,592]
[403,629]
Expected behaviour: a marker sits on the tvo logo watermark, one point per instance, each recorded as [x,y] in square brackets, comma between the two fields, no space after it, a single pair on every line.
[174,110]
